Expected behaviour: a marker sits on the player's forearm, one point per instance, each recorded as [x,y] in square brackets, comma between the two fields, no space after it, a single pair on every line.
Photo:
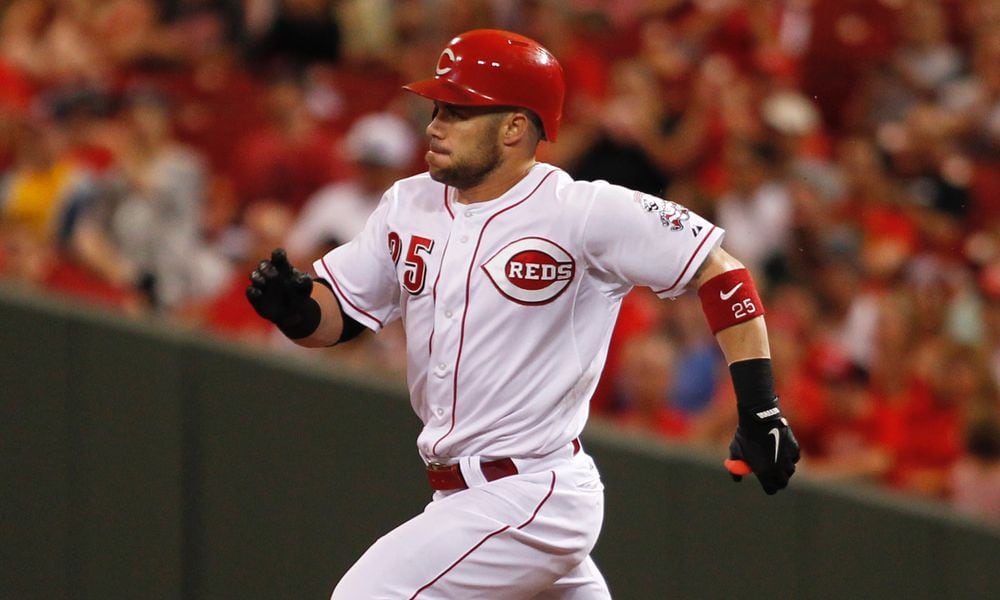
[763,443]
[744,341]
[331,323]
[732,307]
[735,314]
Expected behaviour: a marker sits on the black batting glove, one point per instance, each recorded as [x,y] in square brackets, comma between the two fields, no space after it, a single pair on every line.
[283,295]
[764,445]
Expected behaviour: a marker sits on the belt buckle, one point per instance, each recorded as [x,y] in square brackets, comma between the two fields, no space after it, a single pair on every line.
[437,466]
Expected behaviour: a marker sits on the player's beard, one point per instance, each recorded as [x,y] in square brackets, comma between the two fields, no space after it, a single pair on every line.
[484,159]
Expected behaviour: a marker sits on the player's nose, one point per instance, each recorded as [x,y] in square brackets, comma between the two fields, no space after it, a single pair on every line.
[433,129]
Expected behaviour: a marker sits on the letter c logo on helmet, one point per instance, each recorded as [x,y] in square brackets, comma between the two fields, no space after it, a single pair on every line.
[441,69]
[491,67]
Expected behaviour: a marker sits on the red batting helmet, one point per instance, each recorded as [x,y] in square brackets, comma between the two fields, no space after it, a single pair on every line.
[490,67]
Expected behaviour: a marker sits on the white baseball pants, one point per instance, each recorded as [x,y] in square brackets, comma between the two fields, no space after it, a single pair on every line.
[527,536]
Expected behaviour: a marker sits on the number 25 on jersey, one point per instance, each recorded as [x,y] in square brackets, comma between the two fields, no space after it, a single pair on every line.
[415,274]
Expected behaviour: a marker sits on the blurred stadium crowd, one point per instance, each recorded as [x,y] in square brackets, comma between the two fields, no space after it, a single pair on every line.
[152,152]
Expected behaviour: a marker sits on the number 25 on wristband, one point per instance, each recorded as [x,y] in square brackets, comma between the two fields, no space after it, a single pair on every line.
[744,308]
[730,298]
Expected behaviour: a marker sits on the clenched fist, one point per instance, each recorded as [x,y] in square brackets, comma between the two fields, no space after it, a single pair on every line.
[283,295]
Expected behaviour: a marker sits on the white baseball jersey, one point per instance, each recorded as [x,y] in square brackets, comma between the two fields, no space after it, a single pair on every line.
[509,305]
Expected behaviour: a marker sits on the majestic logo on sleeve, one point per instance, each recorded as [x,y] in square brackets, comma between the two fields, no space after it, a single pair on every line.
[671,214]
[531,270]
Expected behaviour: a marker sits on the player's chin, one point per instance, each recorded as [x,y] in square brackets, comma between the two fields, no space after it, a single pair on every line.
[438,166]
[437,160]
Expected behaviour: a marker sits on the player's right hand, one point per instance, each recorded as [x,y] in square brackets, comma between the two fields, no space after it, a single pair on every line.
[764,445]
[278,291]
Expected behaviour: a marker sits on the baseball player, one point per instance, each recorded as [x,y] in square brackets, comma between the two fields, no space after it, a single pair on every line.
[508,276]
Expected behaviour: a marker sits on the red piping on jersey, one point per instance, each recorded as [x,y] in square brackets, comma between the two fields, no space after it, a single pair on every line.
[552,487]
[344,296]
[448,208]
[460,559]
[465,311]
[693,254]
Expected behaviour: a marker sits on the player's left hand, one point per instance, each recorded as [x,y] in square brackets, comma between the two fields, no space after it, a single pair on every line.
[282,294]
[765,446]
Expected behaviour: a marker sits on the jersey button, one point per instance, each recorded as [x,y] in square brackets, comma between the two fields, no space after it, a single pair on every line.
[439,411]
[463,239]
[468,213]
[447,314]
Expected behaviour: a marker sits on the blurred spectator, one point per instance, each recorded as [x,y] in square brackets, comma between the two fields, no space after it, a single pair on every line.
[846,443]
[50,41]
[756,211]
[924,56]
[877,207]
[947,380]
[287,158]
[205,25]
[46,194]
[647,372]
[847,38]
[615,155]
[697,359]
[580,39]
[302,32]
[227,313]
[920,64]
[973,106]
[638,317]
[28,261]
[816,194]
[153,217]
[796,383]
[793,123]
[989,284]
[640,139]
[214,104]
[44,189]
[975,478]
[382,148]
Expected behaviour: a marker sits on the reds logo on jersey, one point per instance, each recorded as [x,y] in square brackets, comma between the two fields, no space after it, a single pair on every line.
[531,270]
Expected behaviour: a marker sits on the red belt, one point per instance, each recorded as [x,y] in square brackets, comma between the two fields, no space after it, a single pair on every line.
[449,477]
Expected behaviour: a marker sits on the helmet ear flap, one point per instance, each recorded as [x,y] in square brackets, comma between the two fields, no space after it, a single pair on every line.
[491,67]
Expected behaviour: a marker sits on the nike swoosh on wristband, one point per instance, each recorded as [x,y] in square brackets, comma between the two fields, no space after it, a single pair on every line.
[777,440]
[729,294]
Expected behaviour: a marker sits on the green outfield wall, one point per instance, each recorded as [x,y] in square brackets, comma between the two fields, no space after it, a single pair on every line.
[137,461]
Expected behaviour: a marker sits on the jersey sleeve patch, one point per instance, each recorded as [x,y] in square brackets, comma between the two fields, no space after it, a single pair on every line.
[672,215]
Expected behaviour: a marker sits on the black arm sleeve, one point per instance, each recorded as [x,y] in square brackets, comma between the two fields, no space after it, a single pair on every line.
[352,328]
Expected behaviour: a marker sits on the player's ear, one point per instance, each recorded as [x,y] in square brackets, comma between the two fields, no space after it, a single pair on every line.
[515,126]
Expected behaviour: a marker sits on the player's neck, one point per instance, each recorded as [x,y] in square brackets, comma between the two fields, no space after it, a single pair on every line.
[496,184]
